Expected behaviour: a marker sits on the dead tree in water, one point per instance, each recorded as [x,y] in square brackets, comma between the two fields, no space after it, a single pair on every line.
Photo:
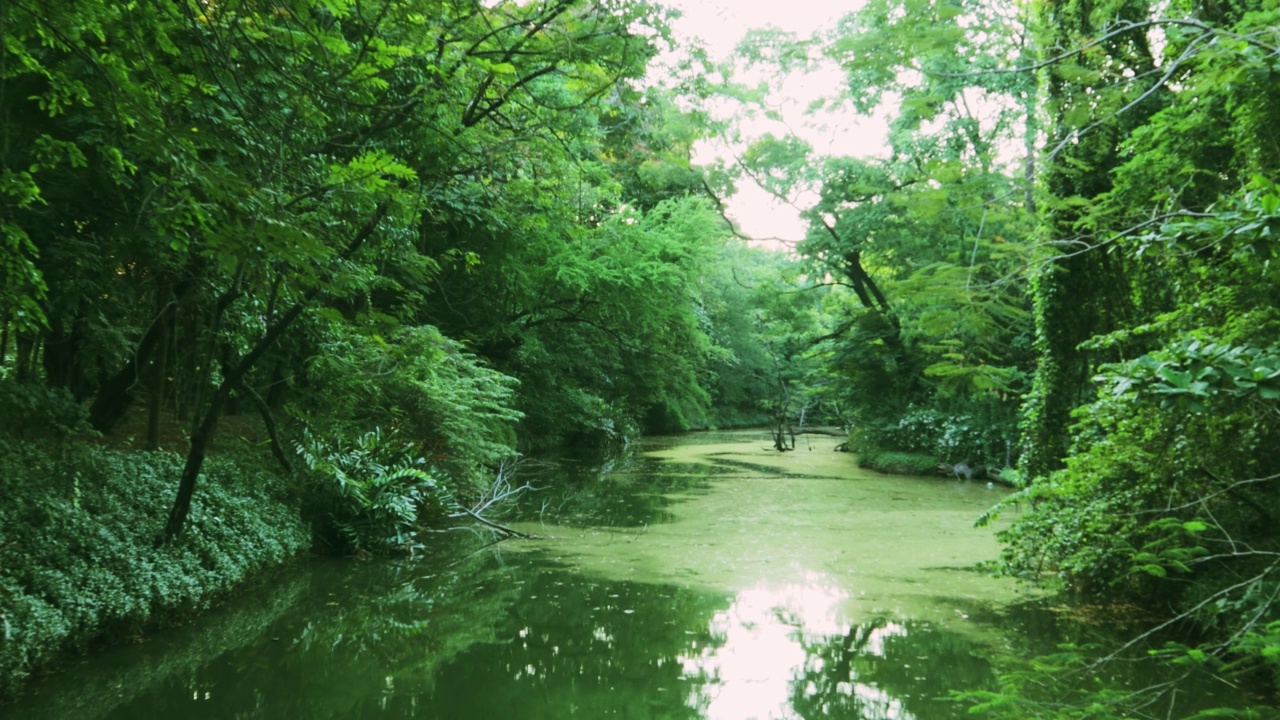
[782,433]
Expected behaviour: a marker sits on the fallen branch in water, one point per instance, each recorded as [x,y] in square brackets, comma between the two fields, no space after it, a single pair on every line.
[496,526]
[501,490]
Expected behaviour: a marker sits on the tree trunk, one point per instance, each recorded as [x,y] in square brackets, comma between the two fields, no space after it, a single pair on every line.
[205,367]
[232,378]
[203,434]
[269,422]
[160,378]
[117,392]
[26,343]
[1076,294]
[59,361]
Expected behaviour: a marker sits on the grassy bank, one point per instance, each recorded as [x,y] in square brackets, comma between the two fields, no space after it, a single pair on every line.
[78,561]
[898,462]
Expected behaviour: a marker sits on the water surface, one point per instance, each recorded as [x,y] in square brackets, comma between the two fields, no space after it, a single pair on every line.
[701,577]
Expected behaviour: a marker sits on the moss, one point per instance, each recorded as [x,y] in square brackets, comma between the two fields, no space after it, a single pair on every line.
[889,546]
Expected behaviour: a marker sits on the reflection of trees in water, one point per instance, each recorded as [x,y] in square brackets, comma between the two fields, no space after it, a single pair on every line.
[884,669]
[590,649]
[346,640]
[114,676]
[1070,660]
[336,639]
[628,493]
[374,643]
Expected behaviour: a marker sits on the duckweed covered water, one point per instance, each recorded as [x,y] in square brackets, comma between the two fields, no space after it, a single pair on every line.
[705,577]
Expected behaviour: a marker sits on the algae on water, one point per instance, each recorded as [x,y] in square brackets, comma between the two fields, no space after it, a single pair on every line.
[805,523]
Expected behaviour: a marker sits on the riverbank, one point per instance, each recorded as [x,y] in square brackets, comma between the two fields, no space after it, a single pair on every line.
[696,576]
[78,562]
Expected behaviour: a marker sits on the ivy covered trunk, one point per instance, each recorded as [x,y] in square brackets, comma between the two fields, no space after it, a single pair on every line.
[1079,289]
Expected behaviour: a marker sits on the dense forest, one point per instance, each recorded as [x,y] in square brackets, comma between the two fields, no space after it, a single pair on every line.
[280,274]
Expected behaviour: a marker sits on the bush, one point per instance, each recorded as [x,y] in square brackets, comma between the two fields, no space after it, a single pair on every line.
[32,412]
[1102,523]
[899,463]
[368,495]
[77,535]
[977,433]
[434,393]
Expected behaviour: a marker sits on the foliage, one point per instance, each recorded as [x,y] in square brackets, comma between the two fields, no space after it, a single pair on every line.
[1133,379]
[78,561]
[236,168]
[428,391]
[601,321]
[1067,685]
[1187,375]
[371,493]
[920,241]
[898,462]
[774,350]
[1153,484]
[977,437]
[36,412]
[433,231]
[412,228]
[742,281]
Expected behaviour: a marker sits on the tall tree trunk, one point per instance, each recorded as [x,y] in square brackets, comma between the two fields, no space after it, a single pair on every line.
[204,369]
[160,372]
[116,393]
[232,378]
[1078,292]
[269,422]
[59,361]
[203,434]
[25,360]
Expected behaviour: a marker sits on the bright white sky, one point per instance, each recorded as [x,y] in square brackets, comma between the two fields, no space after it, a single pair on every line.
[721,24]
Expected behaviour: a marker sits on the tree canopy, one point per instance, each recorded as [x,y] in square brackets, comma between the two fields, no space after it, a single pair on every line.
[415,238]
[1059,271]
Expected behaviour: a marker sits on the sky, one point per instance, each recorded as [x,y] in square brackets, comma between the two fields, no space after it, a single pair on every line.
[721,24]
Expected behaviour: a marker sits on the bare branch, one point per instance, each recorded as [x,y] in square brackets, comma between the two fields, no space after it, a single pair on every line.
[1206,29]
[1201,500]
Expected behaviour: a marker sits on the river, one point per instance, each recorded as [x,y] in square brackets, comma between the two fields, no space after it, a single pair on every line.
[701,577]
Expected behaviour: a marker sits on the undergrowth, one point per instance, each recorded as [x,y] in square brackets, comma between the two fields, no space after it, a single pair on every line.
[898,463]
[78,560]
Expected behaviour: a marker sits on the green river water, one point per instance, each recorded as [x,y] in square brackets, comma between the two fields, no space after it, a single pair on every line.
[699,577]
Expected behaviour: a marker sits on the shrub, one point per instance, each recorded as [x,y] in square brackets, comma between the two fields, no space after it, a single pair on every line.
[434,393]
[899,463]
[368,496]
[977,433]
[77,535]
[37,412]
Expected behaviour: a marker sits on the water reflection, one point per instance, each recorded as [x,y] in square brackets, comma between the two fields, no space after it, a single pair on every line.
[771,651]
[628,492]
[786,651]
[757,601]
[758,649]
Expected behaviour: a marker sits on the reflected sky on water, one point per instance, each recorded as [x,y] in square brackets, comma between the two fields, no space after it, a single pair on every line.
[706,578]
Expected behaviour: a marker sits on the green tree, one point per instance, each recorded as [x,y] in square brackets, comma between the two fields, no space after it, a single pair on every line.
[926,238]
[1162,216]
[253,164]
